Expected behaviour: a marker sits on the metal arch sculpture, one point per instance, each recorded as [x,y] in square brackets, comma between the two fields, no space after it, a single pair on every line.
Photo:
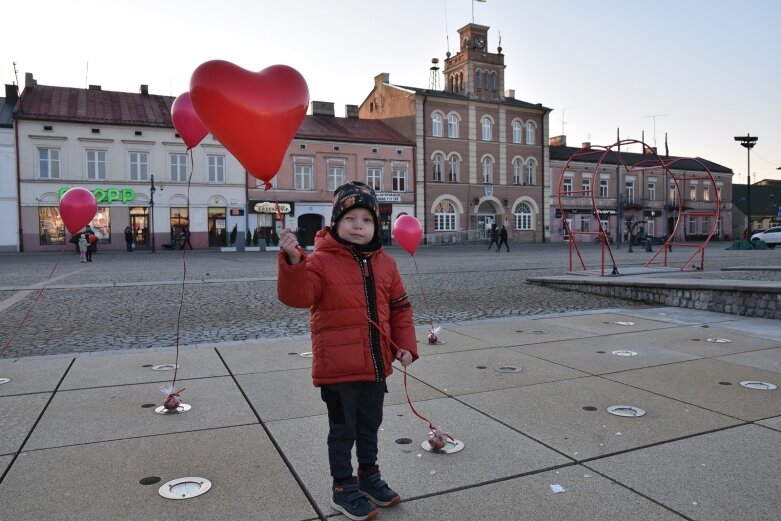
[648,162]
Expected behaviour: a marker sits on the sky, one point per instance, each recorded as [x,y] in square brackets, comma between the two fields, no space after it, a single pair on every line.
[698,71]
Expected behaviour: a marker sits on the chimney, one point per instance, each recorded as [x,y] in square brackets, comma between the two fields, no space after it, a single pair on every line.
[649,151]
[351,111]
[322,108]
[509,93]
[558,141]
[94,87]
[29,81]
[381,78]
[11,94]
[586,145]
[143,90]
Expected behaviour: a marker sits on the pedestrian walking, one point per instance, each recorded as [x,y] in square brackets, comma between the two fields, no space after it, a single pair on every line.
[83,247]
[92,244]
[493,233]
[129,241]
[503,239]
[347,277]
[185,239]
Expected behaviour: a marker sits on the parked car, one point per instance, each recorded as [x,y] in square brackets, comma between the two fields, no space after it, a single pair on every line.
[771,236]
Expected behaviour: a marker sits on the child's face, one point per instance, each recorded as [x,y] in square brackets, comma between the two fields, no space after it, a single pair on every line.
[356,226]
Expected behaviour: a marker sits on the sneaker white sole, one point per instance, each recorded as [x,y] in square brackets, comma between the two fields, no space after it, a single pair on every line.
[370,515]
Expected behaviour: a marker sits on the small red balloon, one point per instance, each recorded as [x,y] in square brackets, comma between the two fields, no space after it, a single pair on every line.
[255,115]
[186,122]
[77,208]
[172,402]
[407,231]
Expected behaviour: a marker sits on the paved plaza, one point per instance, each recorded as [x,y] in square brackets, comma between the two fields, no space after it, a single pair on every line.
[523,375]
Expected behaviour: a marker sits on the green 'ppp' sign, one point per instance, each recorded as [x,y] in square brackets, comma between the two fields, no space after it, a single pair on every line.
[107,195]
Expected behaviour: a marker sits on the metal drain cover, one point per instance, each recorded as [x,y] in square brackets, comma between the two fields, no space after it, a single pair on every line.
[183,407]
[625,323]
[307,354]
[538,332]
[4,380]
[624,352]
[165,367]
[759,386]
[185,488]
[720,340]
[626,410]
[451,447]
[507,369]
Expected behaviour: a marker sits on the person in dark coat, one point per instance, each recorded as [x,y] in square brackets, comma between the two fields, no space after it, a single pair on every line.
[129,238]
[494,235]
[185,239]
[503,239]
[92,241]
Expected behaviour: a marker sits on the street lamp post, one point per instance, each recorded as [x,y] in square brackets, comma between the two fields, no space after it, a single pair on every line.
[748,141]
[152,190]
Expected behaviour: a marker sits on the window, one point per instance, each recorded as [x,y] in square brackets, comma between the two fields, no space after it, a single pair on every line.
[567,186]
[652,191]
[215,168]
[673,196]
[335,169]
[516,131]
[488,170]
[530,128]
[302,173]
[523,217]
[437,165]
[693,192]
[400,178]
[705,225]
[587,186]
[603,188]
[455,168]
[97,164]
[49,163]
[478,80]
[486,122]
[705,193]
[101,223]
[692,226]
[139,166]
[517,170]
[445,217]
[436,125]
[374,177]
[629,194]
[51,229]
[177,166]
[531,171]
[452,126]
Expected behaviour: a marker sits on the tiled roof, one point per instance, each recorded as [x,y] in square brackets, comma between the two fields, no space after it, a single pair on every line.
[330,128]
[445,94]
[43,102]
[564,153]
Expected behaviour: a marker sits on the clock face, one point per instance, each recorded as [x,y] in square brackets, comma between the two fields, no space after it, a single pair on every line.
[479,41]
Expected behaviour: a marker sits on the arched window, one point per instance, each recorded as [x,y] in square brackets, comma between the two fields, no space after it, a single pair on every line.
[523,217]
[436,124]
[530,128]
[486,122]
[445,217]
[452,126]
[516,131]
[455,167]
[531,171]
[491,81]
[488,170]
[517,171]
[478,85]
[437,162]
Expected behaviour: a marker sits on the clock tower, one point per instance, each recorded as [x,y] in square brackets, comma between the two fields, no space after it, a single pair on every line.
[474,71]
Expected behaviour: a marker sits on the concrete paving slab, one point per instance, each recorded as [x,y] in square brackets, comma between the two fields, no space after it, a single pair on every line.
[302,399]
[759,327]
[492,451]
[594,354]
[35,374]
[100,481]
[19,414]
[113,368]
[680,315]
[5,461]
[476,371]
[451,338]
[721,476]
[554,414]
[261,357]
[772,423]
[587,495]
[110,413]
[514,331]
[712,384]
[767,359]
[605,324]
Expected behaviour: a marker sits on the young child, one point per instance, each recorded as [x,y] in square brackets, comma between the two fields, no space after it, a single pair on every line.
[352,287]
[83,248]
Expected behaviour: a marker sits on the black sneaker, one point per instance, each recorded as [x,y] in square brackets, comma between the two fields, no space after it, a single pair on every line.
[377,490]
[351,502]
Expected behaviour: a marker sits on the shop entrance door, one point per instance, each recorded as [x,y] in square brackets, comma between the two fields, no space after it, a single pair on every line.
[139,223]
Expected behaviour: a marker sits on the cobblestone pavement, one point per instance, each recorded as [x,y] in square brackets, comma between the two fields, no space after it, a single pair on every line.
[132,301]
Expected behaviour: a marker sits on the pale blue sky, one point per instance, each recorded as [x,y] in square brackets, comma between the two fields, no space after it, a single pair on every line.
[708,69]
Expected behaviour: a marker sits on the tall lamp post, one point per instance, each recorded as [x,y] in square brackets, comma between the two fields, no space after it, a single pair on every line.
[152,190]
[748,141]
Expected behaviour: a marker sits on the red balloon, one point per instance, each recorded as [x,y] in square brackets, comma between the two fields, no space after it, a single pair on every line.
[77,208]
[255,115]
[407,231]
[186,122]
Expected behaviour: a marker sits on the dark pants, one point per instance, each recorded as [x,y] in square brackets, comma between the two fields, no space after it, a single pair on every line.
[89,254]
[354,417]
[503,241]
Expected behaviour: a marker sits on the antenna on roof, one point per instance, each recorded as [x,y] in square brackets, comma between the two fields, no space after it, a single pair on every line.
[86,77]
[447,37]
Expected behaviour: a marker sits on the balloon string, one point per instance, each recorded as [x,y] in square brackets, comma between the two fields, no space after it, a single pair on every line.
[422,291]
[281,219]
[37,298]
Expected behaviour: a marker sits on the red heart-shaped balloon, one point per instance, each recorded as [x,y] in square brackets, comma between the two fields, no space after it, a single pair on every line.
[255,115]
[186,122]
[77,208]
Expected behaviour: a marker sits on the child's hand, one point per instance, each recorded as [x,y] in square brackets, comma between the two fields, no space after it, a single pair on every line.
[289,244]
[404,356]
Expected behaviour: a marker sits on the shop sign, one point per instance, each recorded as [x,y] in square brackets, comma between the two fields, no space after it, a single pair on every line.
[386,197]
[267,207]
[107,195]
[606,212]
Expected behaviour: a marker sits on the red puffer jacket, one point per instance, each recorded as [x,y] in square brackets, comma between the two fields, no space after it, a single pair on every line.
[342,287]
